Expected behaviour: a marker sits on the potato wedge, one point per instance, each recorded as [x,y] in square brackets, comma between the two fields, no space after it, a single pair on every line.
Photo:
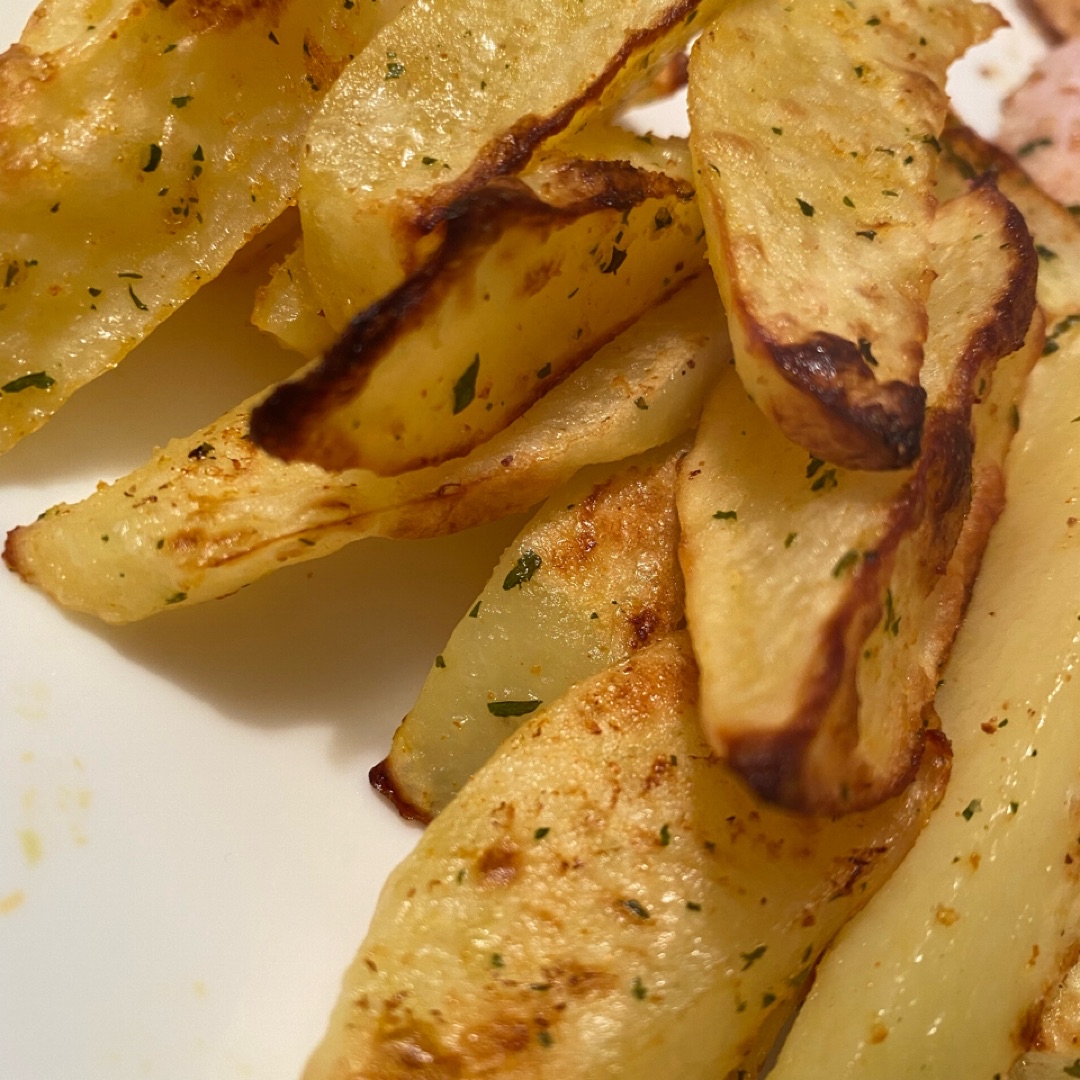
[291,308]
[459,94]
[942,974]
[812,592]
[163,138]
[211,513]
[590,580]
[604,899]
[814,132]
[527,285]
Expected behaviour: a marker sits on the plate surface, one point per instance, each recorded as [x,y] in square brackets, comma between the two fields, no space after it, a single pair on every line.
[189,850]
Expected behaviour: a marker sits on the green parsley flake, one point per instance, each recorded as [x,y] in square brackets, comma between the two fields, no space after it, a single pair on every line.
[805,207]
[155,158]
[35,380]
[523,570]
[726,515]
[176,598]
[639,991]
[181,101]
[1035,144]
[971,809]
[750,958]
[440,661]
[465,387]
[513,708]
[636,908]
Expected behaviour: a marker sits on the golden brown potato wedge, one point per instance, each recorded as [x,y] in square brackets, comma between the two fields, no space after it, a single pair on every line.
[818,597]
[457,95]
[211,513]
[814,131]
[590,580]
[605,899]
[529,283]
[943,973]
[135,161]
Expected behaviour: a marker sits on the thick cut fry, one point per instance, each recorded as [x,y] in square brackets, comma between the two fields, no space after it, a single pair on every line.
[460,93]
[813,592]
[211,513]
[591,579]
[527,286]
[942,974]
[135,161]
[604,899]
[813,129]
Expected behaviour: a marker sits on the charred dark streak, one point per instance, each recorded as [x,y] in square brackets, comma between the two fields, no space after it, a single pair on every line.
[280,424]
[882,421]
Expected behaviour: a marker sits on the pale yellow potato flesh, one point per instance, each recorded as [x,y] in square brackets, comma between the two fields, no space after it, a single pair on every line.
[942,975]
[590,580]
[605,900]
[814,131]
[460,93]
[812,591]
[135,160]
[288,307]
[210,513]
[532,279]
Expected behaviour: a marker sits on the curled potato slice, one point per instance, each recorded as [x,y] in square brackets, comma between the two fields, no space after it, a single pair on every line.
[814,131]
[530,281]
[211,513]
[590,580]
[604,898]
[821,600]
[162,140]
[460,93]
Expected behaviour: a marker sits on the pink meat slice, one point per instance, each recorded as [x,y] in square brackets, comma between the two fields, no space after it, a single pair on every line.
[1041,123]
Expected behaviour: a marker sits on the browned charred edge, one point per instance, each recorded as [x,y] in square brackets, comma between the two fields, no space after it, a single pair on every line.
[1005,332]
[381,778]
[510,151]
[281,424]
[882,422]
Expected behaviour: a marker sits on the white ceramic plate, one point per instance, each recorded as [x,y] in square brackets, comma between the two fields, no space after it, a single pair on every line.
[189,850]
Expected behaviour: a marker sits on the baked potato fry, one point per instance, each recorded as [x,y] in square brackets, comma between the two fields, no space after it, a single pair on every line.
[528,284]
[135,161]
[211,513]
[814,132]
[943,973]
[290,307]
[590,580]
[605,899]
[460,94]
[813,592]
